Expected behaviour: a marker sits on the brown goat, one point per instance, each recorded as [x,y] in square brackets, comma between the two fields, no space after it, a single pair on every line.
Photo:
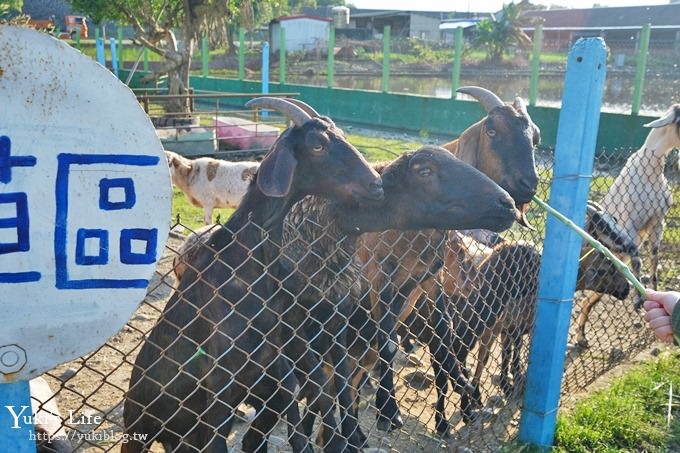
[427,187]
[501,146]
[604,227]
[512,298]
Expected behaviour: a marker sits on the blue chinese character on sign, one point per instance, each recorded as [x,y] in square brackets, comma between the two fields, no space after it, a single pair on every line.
[17,224]
[137,246]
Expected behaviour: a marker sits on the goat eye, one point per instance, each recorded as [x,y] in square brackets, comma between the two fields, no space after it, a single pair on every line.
[491,133]
[318,148]
[425,172]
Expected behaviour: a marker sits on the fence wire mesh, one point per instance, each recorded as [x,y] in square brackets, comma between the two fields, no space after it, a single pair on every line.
[262,359]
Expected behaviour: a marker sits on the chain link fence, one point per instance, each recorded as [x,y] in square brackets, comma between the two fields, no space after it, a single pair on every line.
[489,284]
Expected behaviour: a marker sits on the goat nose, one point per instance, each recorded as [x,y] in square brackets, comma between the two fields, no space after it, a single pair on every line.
[528,184]
[375,189]
[506,202]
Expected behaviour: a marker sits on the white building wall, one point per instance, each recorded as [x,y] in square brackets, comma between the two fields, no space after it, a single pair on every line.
[301,34]
[426,28]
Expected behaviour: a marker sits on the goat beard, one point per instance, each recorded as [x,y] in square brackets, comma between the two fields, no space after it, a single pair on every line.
[523,208]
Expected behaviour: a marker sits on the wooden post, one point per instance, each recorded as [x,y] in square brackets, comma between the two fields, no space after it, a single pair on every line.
[205,56]
[640,69]
[386,60]
[282,55]
[119,49]
[574,151]
[457,61]
[535,64]
[330,75]
[99,44]
[265,73]
[114,58]
[241,54]
[15,435]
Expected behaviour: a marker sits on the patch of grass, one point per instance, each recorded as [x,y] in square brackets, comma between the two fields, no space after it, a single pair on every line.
[130,53]
[553,57]
[630,415]
[378,149]
[190,215]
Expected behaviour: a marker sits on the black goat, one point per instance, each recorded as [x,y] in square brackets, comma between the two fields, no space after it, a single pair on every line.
[425,188]
[219,339]
[501,146]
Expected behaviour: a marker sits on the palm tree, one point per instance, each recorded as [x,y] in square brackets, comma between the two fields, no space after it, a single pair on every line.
[503,30]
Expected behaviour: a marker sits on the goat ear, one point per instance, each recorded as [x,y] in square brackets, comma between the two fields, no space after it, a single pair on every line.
[275,176]
[590,276]
[519,104]
[665,121]
[536,139]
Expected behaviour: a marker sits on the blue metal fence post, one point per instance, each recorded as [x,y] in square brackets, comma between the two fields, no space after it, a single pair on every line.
[99,43]
[15,403]
[574,151]
[265,73]
[114,59]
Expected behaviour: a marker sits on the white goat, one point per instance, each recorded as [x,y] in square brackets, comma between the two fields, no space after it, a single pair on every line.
[640,198]
[50,434]
[211,183]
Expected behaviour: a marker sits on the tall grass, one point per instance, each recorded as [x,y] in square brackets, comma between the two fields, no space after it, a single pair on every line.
[629,415]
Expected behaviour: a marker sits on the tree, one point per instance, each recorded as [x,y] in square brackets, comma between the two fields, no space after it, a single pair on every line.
[250,14]
[503,30]
[154,22]
[10,6]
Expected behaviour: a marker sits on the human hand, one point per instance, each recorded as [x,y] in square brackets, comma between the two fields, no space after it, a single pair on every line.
[659,306]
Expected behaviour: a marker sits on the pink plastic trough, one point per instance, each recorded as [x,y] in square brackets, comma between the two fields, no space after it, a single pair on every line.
[239,133]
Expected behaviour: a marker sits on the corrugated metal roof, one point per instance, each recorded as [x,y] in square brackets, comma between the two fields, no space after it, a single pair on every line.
[610,18]
[301,16]
[454,25]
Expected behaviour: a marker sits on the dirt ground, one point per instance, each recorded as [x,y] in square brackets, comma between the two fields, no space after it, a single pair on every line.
[95,385]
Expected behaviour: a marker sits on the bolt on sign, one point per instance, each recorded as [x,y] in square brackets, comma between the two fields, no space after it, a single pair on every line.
[84,203]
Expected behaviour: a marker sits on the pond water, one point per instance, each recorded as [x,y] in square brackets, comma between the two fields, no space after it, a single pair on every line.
[659,91]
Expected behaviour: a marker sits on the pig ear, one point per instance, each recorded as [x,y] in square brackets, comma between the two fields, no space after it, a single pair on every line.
[275,176]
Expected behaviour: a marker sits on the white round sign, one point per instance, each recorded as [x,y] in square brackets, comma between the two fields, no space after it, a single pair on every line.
[84,203]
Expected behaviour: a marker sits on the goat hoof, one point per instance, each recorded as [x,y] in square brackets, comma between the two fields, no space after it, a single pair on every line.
[508,390]
[495,401]
[408,346]
[582,344]
[387,425]
[362,440]
[478,415]
[356,442]
[336,446]
[443,430]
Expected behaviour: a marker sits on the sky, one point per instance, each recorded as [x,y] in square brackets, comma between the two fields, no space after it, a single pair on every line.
[487,5]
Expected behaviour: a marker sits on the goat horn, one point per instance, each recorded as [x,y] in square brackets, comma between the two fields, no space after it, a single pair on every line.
[523,217]
[291,111]
[304,106]
[669,118]
[485,97]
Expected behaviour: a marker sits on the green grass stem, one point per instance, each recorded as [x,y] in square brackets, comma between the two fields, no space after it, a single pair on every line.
[597,245]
